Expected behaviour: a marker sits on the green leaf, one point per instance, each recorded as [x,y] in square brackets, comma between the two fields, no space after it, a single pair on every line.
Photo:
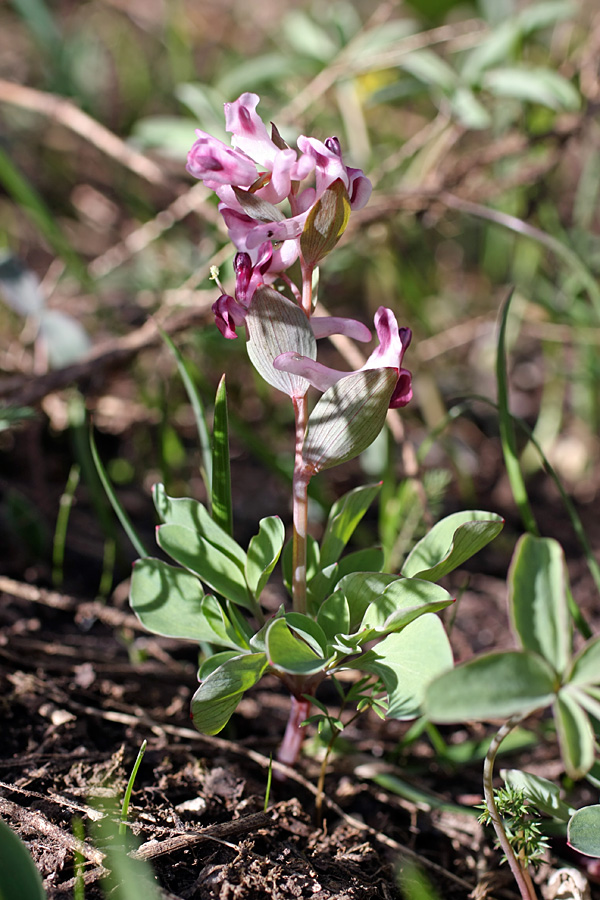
[194,515]
[213,662]
[543,794]
[468,110]
[406,663]
[371,559]
[276,325]
[360,589]
[221,470]
[209,563]
[310,631]
[263,552]
[402,601]
[19,877]
[536,85]
[585,669]
[287,653]
[217,698]
[575,735]
[170,601]
[492,51]
[493,686]
[348,418]
[537,597]
[583,832]
[429,68]
[344,516]
[325,224]
[451,542]
[334,615]
[198,410]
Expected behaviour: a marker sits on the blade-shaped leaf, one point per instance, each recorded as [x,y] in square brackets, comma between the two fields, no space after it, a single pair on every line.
[221,471]
[263,552]
[537,596]
[493,686]
[209,563]
[406,663]
[583,832]
[344,516]
[275,326]
[288,653]
[217,698]
[348,418]
[451,542]
[194,515]
[535,85]
[575,735]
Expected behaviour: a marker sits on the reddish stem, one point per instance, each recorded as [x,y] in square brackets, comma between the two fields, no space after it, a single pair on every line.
[289,748]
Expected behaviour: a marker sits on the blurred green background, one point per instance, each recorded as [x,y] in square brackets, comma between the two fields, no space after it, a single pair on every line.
[478,124]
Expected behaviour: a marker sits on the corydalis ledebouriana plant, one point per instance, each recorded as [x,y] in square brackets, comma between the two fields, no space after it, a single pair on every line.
[338,607]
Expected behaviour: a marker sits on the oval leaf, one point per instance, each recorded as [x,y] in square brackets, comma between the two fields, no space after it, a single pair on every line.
[537,597]
[344,516]
[493,686]
[407,662]
[451,542]
[348,418]
[217,698]
[263,552]
[583,832]
[275,326]
[575,735]
[403,601]
[209,563]
[586,665]
[288,653]
[325,223]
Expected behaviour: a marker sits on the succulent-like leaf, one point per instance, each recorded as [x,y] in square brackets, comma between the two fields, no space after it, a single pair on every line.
[263,552]
[360,589]
[406,663]
[537,596]
[492,686]
[348,417]
[451,542]
[209,563]
[275,326]
[402,601]
[334,615]
[288,653]
[19,877]
[325,224]
[192,514]
[343,518]
[585,669]
[575,735]
[583,832]
[217,698]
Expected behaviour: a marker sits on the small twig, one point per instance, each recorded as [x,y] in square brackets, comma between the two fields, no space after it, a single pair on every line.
[64,111]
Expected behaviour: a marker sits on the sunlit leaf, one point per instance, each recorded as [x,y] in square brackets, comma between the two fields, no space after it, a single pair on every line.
[451,542]
[217,698]
[584,830]
[343,518]
[263,552]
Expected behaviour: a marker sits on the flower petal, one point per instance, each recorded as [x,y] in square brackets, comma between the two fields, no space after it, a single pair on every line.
[325,326]
[321,377]
[248,129]
[214,163]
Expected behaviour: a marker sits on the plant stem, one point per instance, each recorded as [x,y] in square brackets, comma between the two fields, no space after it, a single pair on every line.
[300,510]
[520,872]
[294,733]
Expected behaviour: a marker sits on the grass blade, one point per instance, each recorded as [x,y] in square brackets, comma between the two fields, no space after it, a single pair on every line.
[198,410]
[221,480]
[507,433]
[114,500]
[129,788]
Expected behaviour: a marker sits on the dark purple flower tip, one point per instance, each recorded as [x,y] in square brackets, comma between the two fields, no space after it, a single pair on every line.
[333,144]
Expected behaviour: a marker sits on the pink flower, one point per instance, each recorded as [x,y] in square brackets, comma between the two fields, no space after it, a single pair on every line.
[393,343]
[271,171]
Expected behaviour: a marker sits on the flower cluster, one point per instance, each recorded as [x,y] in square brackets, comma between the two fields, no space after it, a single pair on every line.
[252,179]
